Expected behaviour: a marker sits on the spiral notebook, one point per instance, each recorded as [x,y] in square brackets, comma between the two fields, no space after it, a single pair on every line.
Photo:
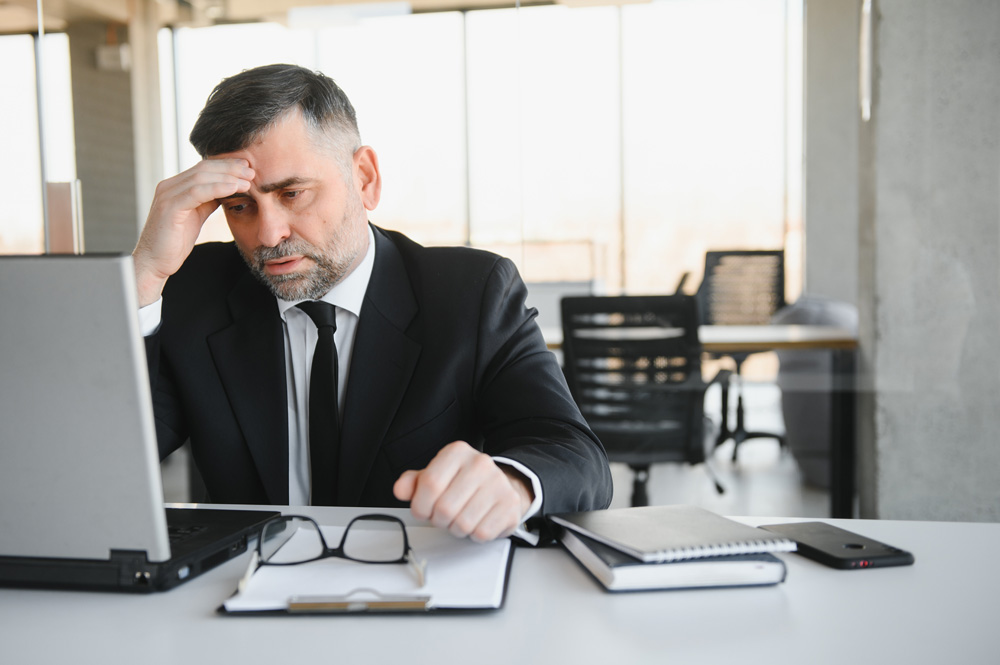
[618,571]
[671,533]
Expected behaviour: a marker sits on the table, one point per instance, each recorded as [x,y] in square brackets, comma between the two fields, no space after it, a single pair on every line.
[842,343]
[793,337]
[940,609]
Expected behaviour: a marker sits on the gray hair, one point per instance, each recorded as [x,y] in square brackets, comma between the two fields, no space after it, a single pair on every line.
[243,107]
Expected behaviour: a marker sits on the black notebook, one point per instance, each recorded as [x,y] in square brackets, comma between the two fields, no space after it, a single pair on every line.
[671,533]
[618,571]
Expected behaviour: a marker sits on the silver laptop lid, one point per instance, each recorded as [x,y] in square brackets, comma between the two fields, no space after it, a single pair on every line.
[79,468]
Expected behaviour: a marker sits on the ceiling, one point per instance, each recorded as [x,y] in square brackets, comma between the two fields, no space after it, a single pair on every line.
[21,16]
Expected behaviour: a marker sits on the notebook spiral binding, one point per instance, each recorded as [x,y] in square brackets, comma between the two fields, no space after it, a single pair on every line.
[743,547]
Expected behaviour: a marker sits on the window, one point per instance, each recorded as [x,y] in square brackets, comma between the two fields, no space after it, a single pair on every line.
[706,129]
[21,225]
[544,166]
[614,144]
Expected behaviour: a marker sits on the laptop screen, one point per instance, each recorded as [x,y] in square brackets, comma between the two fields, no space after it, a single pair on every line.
[79,468]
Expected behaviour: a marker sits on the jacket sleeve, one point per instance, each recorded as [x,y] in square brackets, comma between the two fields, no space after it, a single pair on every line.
[525,406]
[170,430]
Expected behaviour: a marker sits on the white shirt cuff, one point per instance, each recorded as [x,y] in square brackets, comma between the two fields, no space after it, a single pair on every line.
[521,532]
[150,317]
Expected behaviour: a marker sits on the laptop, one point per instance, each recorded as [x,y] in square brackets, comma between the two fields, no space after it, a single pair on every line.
[81,502]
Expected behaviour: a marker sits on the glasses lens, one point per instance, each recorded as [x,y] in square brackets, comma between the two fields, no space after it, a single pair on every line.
[375,540]
[290,540]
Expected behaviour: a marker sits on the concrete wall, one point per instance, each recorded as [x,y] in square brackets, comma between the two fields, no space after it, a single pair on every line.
[105,149]
[929,244]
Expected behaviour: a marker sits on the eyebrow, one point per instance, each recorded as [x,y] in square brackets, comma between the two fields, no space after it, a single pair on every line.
[271,187]
[284,184]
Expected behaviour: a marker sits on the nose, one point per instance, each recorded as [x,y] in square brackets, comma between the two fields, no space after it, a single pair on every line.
[272,225]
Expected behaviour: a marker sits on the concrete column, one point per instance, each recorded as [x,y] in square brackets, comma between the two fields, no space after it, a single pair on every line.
[930,246]
[147,126]
[105,148]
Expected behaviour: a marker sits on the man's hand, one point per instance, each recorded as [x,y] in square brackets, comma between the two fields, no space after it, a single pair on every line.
[180,207]
[466,492]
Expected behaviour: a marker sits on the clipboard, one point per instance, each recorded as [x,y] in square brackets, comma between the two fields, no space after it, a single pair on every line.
[462,576]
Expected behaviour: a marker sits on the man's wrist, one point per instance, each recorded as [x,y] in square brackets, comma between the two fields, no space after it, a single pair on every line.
[148,286]
[534,484]
[521,485]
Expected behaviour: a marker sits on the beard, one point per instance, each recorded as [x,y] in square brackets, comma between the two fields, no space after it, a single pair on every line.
[332,262]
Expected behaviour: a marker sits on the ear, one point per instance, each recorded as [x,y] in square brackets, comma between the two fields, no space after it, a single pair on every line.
[367,178]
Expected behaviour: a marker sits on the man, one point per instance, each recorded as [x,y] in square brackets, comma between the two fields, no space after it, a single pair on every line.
[446,397]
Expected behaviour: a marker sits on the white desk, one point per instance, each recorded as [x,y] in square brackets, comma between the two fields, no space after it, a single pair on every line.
[752,339]
[942,609]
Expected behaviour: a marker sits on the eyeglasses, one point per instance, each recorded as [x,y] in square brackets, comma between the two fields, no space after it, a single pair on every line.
[289,540]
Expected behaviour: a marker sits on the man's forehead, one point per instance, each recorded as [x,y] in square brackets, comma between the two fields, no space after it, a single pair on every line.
[269,187]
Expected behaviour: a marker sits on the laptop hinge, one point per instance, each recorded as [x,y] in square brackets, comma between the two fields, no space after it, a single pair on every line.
[134,569]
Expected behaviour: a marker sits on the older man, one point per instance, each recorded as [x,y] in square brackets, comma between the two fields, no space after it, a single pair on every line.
[439,389]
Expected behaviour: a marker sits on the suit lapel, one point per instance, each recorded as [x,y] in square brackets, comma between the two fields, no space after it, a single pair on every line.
[381,366]
[249,356]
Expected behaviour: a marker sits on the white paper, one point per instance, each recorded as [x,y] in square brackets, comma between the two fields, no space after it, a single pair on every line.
[460,573]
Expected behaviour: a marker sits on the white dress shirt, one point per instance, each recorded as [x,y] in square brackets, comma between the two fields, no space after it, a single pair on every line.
[300,344]
[300,340]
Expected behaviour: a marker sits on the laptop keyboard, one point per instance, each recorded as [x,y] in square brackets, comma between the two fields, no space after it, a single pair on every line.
[178,534]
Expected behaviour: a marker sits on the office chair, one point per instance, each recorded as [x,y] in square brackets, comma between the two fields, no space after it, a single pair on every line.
[633,364]
[741,287]
[546,296]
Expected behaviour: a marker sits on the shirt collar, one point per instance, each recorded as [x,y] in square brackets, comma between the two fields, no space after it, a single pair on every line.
[349,294]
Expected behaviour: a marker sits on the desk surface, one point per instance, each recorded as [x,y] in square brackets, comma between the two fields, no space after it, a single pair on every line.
[734,339]
[768,338]
[940,609]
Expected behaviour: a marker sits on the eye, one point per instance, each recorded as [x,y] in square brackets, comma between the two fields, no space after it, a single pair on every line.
[238,207]
[291,193]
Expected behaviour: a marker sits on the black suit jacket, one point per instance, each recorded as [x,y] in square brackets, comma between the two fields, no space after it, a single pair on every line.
[445,349]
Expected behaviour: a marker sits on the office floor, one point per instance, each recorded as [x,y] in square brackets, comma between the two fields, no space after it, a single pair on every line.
[763,481]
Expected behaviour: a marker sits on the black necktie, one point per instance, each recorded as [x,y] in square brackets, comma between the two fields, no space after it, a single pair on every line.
[324,419]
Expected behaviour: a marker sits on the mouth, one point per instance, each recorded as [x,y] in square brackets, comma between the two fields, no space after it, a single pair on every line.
[284,265]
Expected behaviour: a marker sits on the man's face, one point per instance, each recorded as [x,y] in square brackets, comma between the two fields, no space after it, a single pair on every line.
[302,226]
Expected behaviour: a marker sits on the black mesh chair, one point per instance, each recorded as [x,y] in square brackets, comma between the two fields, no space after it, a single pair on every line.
[741,287]
[633,364]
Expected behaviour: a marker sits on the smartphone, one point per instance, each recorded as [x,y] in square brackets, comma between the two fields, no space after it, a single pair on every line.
[840,548]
